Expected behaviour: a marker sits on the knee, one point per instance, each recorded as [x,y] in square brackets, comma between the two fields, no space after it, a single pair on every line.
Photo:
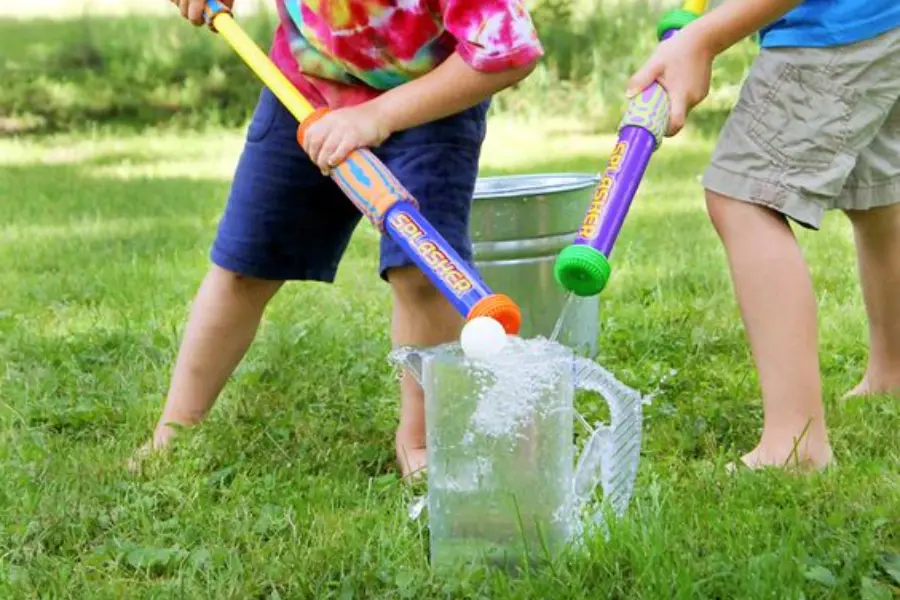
[236,285]
[412,288]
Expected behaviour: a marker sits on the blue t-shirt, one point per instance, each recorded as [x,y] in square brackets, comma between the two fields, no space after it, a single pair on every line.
[821,23]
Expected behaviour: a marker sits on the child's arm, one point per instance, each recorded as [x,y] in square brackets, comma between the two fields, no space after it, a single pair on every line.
[452,87]
[683,63]
[726,25]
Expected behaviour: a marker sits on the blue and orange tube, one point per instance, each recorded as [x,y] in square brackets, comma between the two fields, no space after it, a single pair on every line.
[583,267]
[375,191]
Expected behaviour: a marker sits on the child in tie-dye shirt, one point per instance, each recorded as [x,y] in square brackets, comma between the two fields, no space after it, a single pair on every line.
[350,51]
[411,79]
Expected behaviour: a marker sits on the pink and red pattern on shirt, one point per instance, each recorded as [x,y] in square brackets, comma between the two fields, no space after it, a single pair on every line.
[343,52]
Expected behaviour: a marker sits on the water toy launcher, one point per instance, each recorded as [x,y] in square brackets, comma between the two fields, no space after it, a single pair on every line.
[377,193]
[583,267]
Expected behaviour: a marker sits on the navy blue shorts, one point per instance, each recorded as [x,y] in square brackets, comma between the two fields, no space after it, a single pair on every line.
[286,221]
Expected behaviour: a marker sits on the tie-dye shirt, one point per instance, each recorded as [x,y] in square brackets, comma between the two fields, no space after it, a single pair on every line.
[342,52]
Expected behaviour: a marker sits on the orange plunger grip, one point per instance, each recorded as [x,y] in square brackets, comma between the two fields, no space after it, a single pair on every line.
[364,179]
[502,309]
[312,118]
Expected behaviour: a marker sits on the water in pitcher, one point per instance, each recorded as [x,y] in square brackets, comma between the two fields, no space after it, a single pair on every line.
[500,454]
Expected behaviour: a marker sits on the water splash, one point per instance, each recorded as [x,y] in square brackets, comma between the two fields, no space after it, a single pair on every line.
[416,506]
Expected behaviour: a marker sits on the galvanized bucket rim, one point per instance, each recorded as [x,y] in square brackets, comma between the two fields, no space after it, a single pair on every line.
[566,182]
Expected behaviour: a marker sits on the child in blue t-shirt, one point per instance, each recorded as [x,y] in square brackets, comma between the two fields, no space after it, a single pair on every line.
[816,128]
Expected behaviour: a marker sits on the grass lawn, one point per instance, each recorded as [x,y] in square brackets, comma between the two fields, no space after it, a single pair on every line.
[289,489]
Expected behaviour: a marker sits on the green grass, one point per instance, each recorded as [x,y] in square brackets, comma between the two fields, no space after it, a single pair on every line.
[289,489]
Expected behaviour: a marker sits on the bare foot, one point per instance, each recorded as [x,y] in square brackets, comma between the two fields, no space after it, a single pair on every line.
[788,457]
[160,441]
[412,460]
[870,386]
[140,455]
[809,459]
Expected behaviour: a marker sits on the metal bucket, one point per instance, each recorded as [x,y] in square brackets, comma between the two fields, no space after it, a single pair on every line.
[518,226]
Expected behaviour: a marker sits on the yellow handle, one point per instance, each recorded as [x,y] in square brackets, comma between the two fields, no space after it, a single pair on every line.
[698,7]
[262,65]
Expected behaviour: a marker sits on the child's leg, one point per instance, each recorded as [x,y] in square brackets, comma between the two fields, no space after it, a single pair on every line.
[787,151]
[424,318]
[775,294]
[222,323]
[438,164]
[283,221]
[873,205]
[877,234]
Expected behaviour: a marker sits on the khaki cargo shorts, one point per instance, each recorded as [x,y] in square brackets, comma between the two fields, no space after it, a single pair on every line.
[815,129]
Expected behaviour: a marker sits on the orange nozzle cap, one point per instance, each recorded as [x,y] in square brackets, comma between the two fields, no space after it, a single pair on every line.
[500,308]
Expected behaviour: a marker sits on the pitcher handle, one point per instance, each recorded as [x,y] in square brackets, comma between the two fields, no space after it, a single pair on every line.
[588,472]
[611,454]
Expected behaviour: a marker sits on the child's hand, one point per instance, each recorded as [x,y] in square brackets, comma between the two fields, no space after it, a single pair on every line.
[329,140]
[683,66]
[192,10]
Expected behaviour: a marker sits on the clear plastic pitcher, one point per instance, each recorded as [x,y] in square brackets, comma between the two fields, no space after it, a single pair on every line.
[502,480]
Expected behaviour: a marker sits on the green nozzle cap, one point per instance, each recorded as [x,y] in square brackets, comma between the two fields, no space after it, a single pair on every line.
[582,270]
[676,19]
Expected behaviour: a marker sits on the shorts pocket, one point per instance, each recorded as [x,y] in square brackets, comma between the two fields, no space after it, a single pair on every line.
[263,116]
[800,115]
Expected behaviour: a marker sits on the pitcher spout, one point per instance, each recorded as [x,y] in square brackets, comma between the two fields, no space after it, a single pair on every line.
[409,358]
